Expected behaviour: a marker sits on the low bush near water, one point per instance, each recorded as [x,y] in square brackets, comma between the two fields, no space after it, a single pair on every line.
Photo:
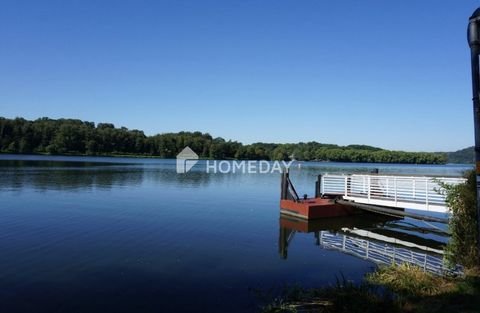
[404,288]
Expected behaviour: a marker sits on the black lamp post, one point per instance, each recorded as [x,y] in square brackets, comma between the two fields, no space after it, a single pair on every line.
[474,43]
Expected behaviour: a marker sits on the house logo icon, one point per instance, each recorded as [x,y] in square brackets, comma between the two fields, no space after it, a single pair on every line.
[186,159]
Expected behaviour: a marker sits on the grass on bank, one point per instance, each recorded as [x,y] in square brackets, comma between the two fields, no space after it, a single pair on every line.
[403,288]
[417,291]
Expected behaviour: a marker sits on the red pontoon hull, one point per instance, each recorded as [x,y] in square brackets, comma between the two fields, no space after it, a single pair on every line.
[315,208]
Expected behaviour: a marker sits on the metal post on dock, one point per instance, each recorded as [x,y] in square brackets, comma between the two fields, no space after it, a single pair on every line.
[318,187]
[284,185]
[474,43]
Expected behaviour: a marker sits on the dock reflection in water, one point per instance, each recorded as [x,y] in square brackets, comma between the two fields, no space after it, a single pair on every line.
[380,239]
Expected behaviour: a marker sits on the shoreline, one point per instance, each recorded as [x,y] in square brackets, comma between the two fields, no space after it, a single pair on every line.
[392,288]
[147,156]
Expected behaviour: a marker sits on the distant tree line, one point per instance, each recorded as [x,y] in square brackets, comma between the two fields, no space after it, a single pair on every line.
[71,136]
[465,156]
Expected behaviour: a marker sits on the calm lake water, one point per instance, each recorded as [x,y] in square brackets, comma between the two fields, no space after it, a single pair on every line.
[82,234]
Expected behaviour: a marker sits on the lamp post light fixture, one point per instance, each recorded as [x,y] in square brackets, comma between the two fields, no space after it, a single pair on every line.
[474,43]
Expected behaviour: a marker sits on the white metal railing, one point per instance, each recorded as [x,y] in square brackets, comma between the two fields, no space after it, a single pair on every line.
[386,254]
[413,192]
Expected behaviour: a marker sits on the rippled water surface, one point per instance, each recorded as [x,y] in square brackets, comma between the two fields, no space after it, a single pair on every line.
[81,234]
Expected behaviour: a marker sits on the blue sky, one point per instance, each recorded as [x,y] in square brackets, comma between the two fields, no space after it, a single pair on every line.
[393,74]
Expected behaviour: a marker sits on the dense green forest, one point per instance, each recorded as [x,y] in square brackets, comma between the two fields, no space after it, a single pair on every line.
[464,156]
[70,136]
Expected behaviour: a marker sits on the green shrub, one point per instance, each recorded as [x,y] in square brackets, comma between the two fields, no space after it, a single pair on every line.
[462,201]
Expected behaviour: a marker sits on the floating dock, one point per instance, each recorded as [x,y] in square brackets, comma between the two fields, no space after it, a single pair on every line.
[342,195]
[315,208]
[310,208]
